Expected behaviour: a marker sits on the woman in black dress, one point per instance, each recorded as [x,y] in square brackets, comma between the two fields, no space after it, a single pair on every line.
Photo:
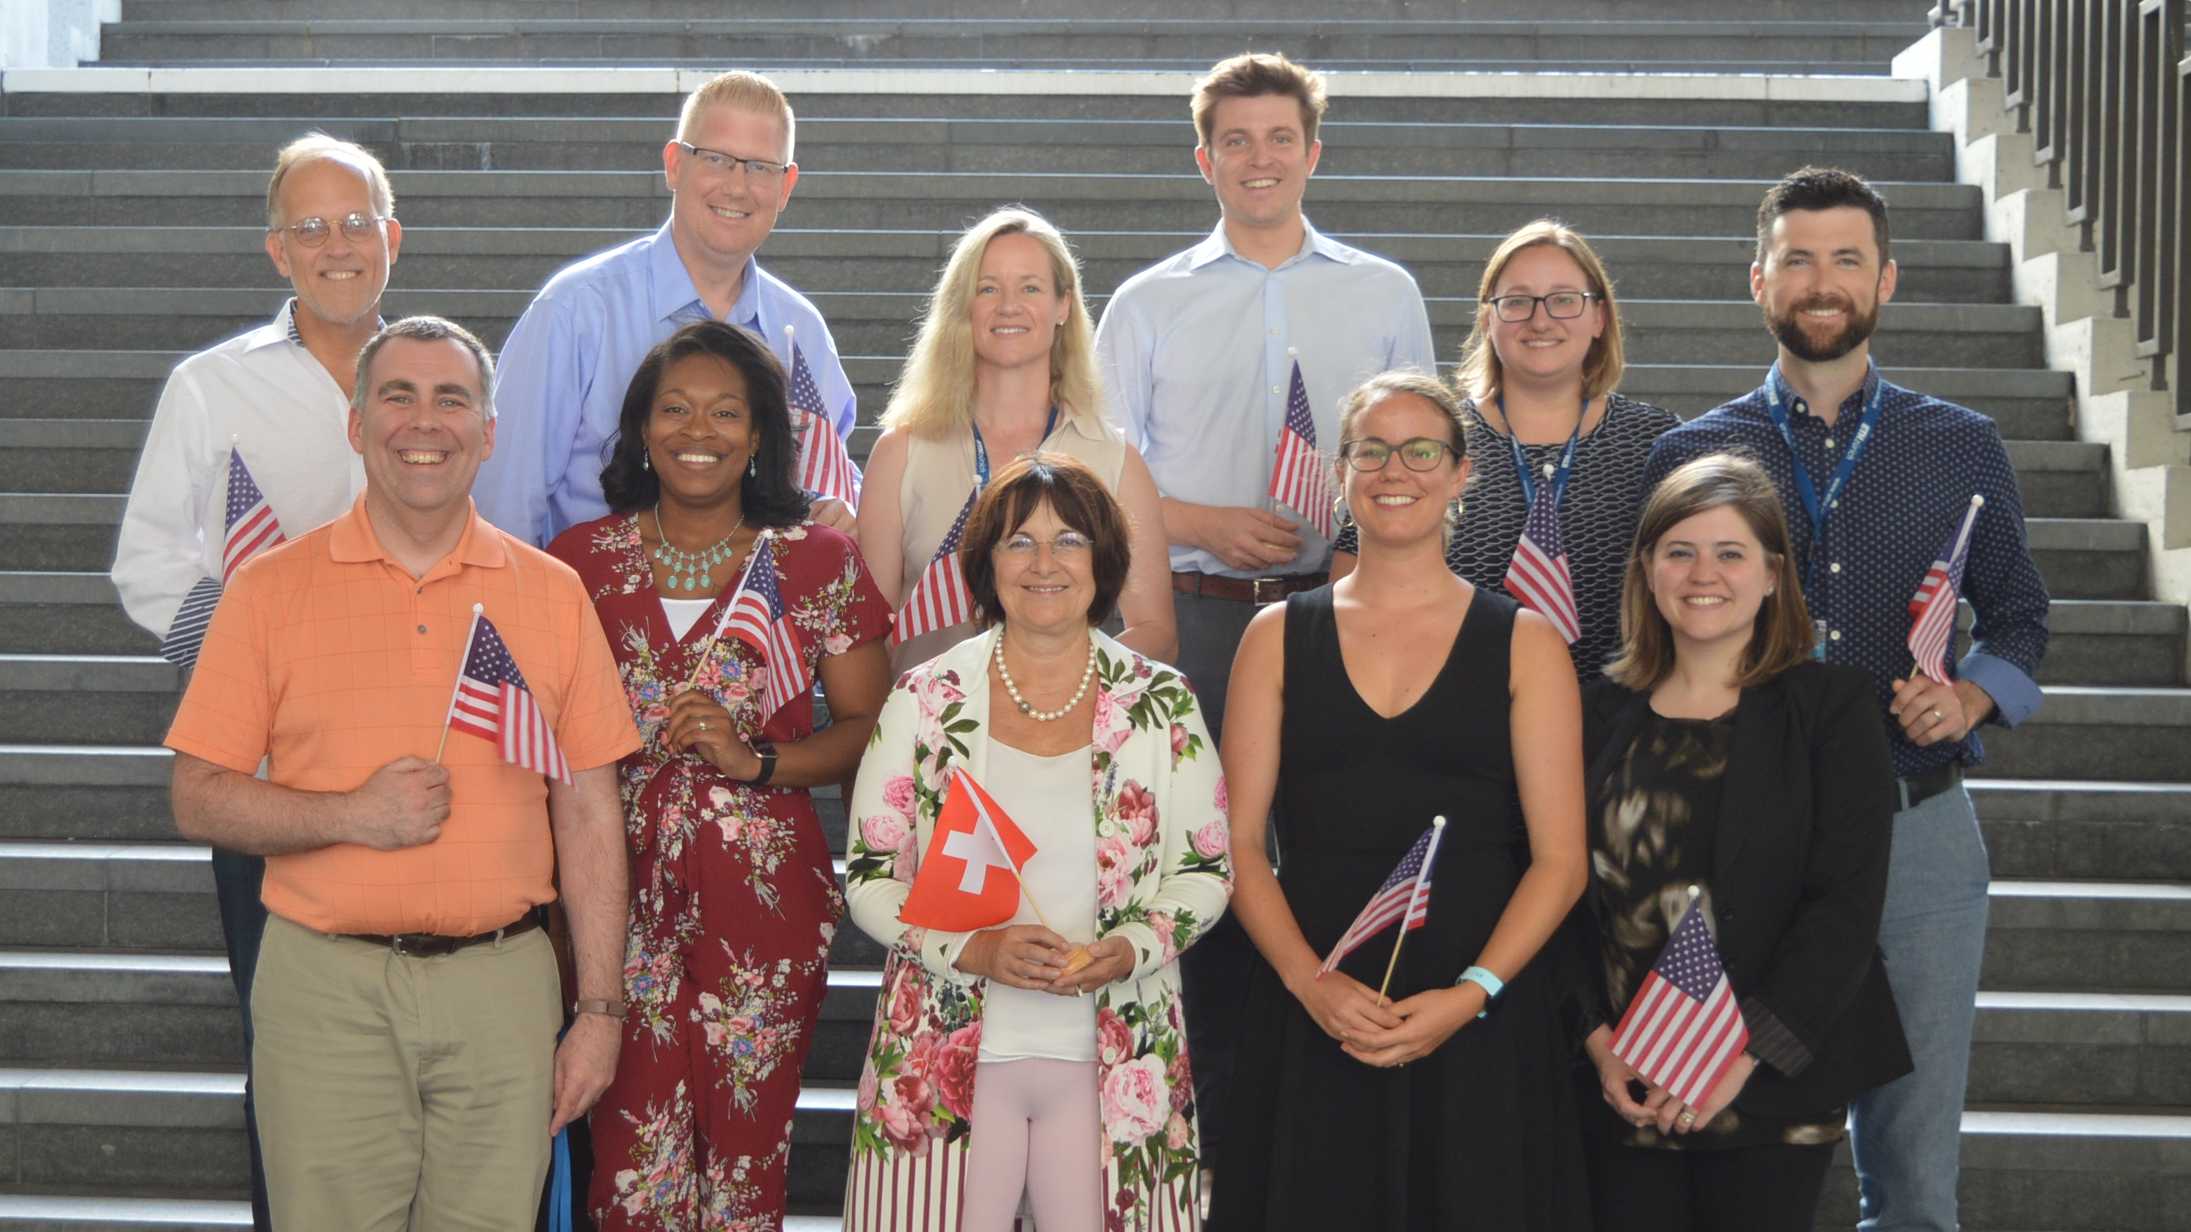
[1359,711]
[1732,774]
[1541,367]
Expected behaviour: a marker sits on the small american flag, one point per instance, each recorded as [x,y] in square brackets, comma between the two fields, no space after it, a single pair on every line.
[1933,606]
[252,526]
[940,599]
[1405,893]
[1300,479]
[1684,1028]
[825,469]
[493,704]
[1538,575]
[756,617]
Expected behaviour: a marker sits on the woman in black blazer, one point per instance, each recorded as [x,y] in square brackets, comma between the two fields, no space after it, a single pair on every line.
[1730,771]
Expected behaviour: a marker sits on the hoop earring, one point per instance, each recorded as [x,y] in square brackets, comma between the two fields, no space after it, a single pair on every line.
[1340,513]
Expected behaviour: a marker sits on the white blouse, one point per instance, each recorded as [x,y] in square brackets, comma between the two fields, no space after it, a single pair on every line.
[1049,799]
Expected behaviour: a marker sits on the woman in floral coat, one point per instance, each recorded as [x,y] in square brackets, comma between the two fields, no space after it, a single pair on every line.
[734,901]
[1117,784]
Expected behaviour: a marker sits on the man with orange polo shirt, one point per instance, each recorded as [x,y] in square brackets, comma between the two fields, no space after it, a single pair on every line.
[406,1002]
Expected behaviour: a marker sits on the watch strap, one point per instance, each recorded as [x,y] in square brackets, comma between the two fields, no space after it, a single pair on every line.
[607,1009]
[766,751]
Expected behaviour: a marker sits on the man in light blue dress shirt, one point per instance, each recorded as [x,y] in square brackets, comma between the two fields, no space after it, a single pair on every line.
[1198,354]
[561,376]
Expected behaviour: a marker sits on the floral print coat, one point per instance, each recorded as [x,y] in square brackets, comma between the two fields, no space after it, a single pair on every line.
[1163,874]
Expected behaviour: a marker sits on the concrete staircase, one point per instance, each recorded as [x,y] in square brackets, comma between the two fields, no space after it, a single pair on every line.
[128,194]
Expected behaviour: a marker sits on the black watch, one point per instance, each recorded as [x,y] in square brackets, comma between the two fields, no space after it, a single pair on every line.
[766,751]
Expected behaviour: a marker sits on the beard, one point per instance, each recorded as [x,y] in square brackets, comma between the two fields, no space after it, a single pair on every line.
[1788,328]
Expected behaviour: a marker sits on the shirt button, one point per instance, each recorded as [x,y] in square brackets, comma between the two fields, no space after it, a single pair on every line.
[1829,442]
[1835,635]
[1802,407]
[1835,566]
[1276,390]
[422,628]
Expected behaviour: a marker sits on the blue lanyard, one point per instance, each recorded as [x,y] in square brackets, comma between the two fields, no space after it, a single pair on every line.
[1807,491]
[1521,459]
[981,449]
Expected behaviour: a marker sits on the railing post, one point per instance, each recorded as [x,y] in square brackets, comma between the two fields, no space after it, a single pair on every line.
[2117,163]
[2160,46]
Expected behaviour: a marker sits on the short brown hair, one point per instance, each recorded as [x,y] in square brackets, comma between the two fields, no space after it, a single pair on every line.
[425,329]
[321,148]
[741,91]
[1783,635]
[1822,188]
[1252,75]
[1080,501]
[1481,374]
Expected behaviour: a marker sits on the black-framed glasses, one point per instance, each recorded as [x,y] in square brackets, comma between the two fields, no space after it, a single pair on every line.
[723,164]
[1421,453]
[1559,305]
[357,227]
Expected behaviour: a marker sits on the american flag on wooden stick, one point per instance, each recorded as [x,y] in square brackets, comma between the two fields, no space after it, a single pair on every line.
[1684,1027]
[1932,608]
[1300,480]
[825,468]
[493,703]
[940,598]
[756,617]
[1405,893]
[252,526]
[1538,575]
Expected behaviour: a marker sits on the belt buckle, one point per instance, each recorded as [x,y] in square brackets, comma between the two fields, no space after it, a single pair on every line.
[398,941]
[1264,591]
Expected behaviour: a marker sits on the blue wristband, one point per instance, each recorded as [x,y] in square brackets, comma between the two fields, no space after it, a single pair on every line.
[1492,986]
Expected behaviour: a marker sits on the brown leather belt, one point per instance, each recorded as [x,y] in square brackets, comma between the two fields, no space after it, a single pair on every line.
[434,945]
[1258,591]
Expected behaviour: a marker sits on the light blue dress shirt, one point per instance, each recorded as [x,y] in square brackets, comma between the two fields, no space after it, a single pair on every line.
[1195,359]
[560,380]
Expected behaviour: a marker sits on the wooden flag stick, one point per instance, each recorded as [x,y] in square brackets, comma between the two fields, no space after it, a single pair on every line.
[1392,963]
[478,610]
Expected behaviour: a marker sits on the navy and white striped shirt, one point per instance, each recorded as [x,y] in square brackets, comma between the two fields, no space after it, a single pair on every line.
[1902,504]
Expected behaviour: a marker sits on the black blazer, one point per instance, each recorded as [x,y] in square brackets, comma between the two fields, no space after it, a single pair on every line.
[1798,880]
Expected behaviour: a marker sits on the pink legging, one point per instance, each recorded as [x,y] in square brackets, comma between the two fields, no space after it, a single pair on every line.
[1037,1127]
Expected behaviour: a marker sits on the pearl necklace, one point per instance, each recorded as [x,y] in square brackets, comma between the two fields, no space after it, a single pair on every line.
[1011,688]
[697,568]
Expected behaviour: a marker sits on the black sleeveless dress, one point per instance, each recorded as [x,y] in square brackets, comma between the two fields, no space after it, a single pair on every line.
[1482,1132]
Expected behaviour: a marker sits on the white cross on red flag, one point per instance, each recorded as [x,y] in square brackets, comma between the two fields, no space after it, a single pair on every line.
[969,877]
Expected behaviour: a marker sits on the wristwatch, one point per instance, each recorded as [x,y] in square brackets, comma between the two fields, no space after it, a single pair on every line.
[1492,986]
[607,1009]
[766,751]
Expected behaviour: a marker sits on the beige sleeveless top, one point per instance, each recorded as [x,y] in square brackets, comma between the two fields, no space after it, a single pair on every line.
[939,472]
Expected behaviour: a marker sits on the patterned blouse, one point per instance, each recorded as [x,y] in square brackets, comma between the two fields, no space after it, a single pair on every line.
[1597,516]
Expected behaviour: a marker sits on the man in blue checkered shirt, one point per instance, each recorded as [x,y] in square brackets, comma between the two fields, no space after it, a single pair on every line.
[1875,479]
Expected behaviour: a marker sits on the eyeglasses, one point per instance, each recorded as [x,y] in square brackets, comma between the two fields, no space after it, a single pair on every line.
[1421,453]
[1068,543]
[313,232]
[720,163]
[1559,305]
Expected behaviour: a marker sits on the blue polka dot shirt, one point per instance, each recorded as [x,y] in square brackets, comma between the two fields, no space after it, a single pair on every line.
[1899,512]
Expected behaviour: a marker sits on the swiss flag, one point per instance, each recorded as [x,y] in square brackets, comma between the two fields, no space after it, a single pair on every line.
[969,877]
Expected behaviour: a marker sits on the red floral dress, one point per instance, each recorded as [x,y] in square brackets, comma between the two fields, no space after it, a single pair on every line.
[734,901]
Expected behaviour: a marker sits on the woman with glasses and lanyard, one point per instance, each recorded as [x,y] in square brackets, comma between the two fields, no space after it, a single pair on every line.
[1359,711]
[1004,366]
[1545,426]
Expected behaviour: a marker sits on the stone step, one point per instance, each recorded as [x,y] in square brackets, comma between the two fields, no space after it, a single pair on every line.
[2106,732]
[2068,829]
[480,143]
[2088,558]
[66,613]
[2088,936]
[101,793]
[86,699]
[2066,1049]
[48,1211]
[69,455]
[1075,201]
[485,258]
[1144,44]
[873,322]
[2029,404]
[1281,10]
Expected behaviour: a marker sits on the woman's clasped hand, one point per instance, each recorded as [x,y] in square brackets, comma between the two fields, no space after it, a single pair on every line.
[1032,957]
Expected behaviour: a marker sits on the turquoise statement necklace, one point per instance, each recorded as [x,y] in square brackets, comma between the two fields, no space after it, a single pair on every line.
[692,571]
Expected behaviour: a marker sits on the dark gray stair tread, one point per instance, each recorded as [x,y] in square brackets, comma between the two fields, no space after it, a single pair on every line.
[113,1213]
[1883,11]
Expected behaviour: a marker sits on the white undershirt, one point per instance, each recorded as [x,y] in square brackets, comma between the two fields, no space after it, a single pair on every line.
[1049,799]
[682,614]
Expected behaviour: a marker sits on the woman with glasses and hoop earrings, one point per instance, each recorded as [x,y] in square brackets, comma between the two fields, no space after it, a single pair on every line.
[1359,711]
[1538,376]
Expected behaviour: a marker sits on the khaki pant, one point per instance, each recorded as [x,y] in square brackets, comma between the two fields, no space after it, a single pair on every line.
[403,1093]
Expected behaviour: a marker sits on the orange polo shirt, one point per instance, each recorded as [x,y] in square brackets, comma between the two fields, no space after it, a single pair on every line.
[330,660]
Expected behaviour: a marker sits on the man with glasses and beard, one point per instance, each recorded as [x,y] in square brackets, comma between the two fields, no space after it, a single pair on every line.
[563,371]
[272,403]
[1876,480]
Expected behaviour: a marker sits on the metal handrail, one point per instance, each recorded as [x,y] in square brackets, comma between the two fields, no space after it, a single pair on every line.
[2104,89]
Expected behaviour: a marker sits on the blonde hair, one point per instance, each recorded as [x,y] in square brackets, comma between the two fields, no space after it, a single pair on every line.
[1480,373]
[1255,74]
[1782,637]
[741,91]
[935,391]
[319,147]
